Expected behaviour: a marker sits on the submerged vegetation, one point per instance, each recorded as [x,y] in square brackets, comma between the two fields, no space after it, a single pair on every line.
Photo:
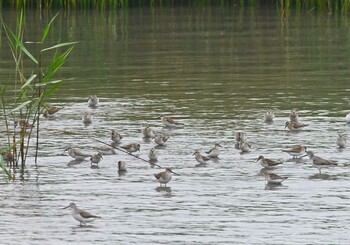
[284,6]
[31,85]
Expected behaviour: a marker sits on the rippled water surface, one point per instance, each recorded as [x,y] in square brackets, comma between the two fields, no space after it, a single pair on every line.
[216,71]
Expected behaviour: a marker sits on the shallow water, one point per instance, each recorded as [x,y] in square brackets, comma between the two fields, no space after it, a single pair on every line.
[216,75]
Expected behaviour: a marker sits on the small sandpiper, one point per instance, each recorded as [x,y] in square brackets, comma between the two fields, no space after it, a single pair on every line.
[95,158]
[214,152]
[93,100]
[244,146]
[116,137]
[274,178]
[169,122]
[319,162]
[240,136]
[131,147]
[81,215]
[105,150]
[160,139]
[153,155]
[296,151]
[293,116]
[77,153]
[121,166]
[24,124]
[164,177]
[87,118]
[267,163]
[200,158]
[269,116]
[341,141]
[293,126]
[7,156]
[50,111]
[147,132]
[347,118]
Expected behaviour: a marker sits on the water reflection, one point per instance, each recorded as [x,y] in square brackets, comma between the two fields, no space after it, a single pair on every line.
[166,189]
[75,162]
[323,176]
[274,186]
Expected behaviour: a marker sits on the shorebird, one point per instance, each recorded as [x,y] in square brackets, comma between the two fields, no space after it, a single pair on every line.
[148,132]
[153,155]
[240,136]
[24,124]
[274,178]
[269,116]
[295,125]
[164,177]
[160,139]
[105,150]
[7,156]
[341,140]
[214,152]
[76,153]
[244,146]
[131,147]
[319,162]
[121,166]
[200,158]
[87,118]
[293,116]
[347,118]
[81,215]
[169,122]
[116,137]
[267,163]
[93,100]
[50,111]
[95,158]
[296,151]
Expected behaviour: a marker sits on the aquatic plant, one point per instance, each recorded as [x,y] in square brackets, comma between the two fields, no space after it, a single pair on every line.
[285,6]
[22,110]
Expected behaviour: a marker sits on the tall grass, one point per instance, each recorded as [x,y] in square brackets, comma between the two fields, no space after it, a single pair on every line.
[298,5]
[22,111]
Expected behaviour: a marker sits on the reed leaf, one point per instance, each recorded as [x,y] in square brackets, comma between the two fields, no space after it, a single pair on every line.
[58,46]
[47,28]
[21,106]
[3,167]
[55,64]
[47,83]
[50,90]
[29,81]
[20,44]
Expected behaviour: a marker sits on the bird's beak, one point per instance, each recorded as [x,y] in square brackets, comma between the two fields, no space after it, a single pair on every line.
[66,207]
[174,172]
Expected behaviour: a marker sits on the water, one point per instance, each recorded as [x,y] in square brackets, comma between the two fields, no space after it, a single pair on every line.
[217,71]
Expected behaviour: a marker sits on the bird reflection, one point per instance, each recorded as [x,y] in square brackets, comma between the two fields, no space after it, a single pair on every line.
[75,162]
[323,176]
[274,186]
[163,189]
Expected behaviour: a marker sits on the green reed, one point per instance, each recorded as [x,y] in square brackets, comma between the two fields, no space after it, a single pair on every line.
[31,90]
[284,6]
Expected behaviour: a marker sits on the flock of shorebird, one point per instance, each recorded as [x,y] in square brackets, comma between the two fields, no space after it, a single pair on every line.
[159,139]
[297,151]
